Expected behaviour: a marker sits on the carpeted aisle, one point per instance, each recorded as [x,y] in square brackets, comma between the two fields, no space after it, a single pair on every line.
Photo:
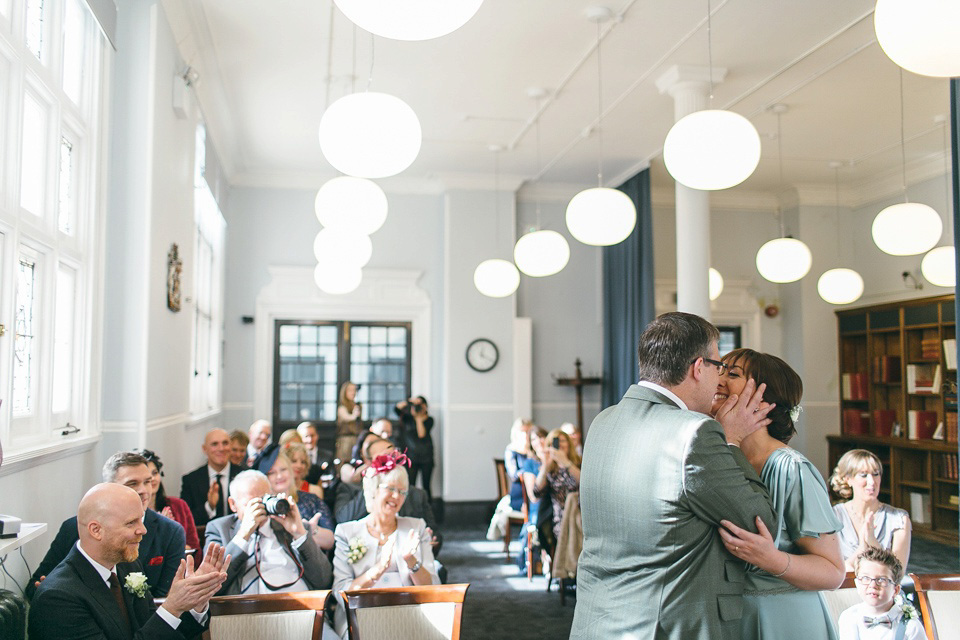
[501,604]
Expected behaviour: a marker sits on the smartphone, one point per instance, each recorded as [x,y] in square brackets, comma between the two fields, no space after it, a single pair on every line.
[556,442]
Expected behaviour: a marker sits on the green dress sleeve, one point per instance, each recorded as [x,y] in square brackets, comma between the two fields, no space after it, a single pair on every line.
[799,497]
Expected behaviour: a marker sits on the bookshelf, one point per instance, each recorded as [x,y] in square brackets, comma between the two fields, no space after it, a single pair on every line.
[898,386]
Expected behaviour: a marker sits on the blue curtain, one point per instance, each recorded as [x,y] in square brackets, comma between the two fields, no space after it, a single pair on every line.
[627,294]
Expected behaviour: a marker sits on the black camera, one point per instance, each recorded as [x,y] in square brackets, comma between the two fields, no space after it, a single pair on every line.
[275,505]
[555,443]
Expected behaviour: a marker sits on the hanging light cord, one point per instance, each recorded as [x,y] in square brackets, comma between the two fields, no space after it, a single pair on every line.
[496,194]
[836,191]
[599,111]
[329,59]
[783,228]
[373,40]
[538,173]
[710,48]
[353,73]
[903,143]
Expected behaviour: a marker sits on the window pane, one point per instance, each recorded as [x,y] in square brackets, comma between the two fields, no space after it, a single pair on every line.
[74,27]
[65,205]
[63,341]
[24,347]
[35,27]
[32,156]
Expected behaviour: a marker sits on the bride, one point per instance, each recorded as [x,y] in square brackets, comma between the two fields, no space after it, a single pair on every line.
[791,564]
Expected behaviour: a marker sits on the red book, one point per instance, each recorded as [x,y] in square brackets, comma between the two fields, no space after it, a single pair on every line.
[883,420]
[921,424]
[856,422]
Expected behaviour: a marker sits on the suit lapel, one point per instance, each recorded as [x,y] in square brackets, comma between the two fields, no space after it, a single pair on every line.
[98,589]
[135,608]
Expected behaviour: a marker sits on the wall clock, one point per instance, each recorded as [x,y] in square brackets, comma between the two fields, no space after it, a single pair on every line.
[482,355]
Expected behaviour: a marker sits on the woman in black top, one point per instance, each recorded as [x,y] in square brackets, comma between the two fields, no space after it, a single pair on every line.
[415,427]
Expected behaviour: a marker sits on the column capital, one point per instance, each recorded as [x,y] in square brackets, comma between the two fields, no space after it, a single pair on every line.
[685,77]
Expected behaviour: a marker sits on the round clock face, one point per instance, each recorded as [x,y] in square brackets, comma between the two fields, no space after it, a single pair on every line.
[482,355]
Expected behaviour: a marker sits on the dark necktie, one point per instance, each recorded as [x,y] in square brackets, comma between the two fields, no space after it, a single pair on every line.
[220,511]
[118,597]
[883,621]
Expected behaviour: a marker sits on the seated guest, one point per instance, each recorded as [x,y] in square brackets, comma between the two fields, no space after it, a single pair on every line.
[571,430]
[162,547]
[559,475]
[173,508]
[529,470]
[204,488]
[319,458]
[288,436]
[878,617]
[384,428]
[276,466]
[238,448]
[866,521]
[383,549]
[270,553]
[83,596]
[260,433]
[516,452]
[300,464]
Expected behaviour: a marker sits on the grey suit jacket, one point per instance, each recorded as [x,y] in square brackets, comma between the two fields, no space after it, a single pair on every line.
[655,483]
[317,572]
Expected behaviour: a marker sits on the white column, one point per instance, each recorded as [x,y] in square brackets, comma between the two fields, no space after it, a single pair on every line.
[689,87]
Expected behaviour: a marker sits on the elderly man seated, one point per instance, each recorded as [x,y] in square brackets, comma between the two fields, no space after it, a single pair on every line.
[96,592]
[271,552]
[260,434]
[163,544]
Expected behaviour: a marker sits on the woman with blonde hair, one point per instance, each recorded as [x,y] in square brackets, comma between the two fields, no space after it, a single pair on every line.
[349,420]
[274,463]
[867,522]
[517,451]
[559,475]
[300,465]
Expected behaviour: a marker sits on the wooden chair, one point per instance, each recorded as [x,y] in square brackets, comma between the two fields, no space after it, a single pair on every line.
[272,615]
[939,598]
[518,518]
[841,598]
[427,613]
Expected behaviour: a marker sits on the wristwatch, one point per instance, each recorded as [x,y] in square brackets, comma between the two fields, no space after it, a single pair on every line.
[416,567]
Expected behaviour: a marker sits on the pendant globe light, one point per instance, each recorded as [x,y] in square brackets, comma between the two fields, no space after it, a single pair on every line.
[906,228]
[342,246]
[337,279]
[783,259]
[496,278]
[920,35]
[715,283]
[939,266]
[351,203]
[600,216]
[841,285]
[409,19]
[711,149]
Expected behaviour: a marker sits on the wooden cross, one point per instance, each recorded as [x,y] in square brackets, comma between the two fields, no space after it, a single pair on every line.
[578,382]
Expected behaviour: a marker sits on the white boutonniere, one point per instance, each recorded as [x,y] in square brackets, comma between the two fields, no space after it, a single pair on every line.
[357,550]
[136,583]
[908,611]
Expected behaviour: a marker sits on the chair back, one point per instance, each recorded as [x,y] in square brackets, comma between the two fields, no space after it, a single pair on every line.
[430,612]
[503,485]
[270,615]
[939,598]
[841,598]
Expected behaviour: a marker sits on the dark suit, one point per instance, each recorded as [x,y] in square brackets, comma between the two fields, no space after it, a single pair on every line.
[655,483]
[417,505]
[74,602]
[194,487]
[161,551]
[317,572]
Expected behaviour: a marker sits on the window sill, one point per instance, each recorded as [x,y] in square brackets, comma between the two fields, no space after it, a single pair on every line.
[43,454]
[196,419]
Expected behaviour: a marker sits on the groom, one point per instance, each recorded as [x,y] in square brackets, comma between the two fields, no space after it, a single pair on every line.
[658,476]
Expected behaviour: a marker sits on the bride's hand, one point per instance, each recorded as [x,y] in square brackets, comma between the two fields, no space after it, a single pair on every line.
[755,548]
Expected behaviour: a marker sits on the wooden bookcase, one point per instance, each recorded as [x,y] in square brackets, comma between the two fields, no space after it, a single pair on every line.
[878,347]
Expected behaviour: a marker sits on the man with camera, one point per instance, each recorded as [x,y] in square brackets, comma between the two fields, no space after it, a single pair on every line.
[414,437]
[268,541]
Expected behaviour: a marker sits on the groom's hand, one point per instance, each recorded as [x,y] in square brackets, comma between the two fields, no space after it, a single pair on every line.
[743,414]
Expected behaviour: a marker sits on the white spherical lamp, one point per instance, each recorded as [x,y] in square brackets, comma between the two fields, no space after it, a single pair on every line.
[601,216]
[409,19]
[337,279]
[496,278]
[907,229]
[370,135]
[541,253]
[939,267]
[920,35]
[784,260]
[712,149]
[342,246]
[840,286]
[714,283]
[351,203]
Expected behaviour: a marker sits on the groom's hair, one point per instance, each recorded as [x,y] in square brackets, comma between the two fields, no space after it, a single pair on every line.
[670,343]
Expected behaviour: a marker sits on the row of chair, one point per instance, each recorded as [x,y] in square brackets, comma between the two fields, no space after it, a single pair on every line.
[429,613]
[938,596]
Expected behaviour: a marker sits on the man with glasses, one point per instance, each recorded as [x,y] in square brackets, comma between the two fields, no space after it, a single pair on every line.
[658,475]
[878,617]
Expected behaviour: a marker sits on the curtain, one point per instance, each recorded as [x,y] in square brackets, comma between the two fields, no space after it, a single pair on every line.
[955,173]
[628,304]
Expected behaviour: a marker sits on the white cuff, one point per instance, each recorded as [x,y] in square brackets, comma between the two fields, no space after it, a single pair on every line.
[299,541]
[168,617]
[211,512]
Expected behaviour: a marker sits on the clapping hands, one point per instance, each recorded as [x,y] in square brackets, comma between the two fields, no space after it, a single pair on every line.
[192,589]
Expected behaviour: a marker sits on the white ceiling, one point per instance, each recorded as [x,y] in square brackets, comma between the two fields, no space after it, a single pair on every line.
[265,67]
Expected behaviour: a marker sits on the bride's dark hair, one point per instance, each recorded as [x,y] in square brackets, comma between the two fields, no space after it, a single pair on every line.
[784,387]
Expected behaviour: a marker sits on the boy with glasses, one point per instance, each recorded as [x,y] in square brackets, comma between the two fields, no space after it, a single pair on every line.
[878,617]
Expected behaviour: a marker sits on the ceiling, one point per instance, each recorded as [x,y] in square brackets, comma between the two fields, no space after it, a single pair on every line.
[267,71]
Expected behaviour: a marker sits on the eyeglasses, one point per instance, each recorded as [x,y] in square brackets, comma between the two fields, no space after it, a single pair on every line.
[395,491]
[882,582]
[721,366]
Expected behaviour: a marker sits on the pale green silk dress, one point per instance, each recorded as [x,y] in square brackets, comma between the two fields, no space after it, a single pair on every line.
[773,609]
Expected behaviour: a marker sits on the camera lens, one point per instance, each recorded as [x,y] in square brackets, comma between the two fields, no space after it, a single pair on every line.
[276,506]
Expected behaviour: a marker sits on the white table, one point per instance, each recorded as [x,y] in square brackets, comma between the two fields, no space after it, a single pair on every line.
[28,531]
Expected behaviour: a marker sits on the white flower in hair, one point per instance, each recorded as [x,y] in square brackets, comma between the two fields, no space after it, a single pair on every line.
[795,413]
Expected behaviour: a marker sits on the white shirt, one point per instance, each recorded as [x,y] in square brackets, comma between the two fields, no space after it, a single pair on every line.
[224,485]
[666,392]
[852,627]
[276,565]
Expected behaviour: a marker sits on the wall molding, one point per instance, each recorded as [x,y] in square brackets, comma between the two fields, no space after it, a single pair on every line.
[553,406]
[118,426]
[237,406]
[480,406]
[50,453]
[165,422]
